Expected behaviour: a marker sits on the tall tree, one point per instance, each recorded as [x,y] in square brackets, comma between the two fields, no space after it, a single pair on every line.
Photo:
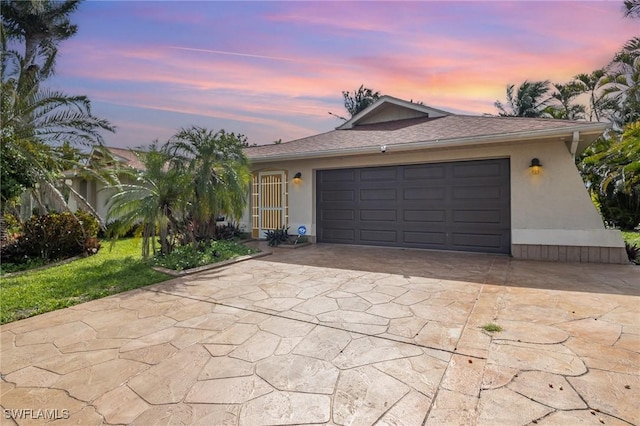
[611,166]
[41,25]
[220,175]
[591,83]
[563,104]
[157,201]
[529,100]
[36,120]
[34,123]
[622,83]
[359,100]
[632,8]
[611,169]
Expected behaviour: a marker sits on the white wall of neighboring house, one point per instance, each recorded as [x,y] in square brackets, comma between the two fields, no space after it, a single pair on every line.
[551,208]
[96,193]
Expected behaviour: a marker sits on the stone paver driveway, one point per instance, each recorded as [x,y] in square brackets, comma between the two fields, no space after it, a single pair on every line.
[340,335]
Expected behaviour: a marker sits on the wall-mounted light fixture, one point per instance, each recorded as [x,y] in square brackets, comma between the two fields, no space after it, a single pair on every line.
[535,167]
[297,178]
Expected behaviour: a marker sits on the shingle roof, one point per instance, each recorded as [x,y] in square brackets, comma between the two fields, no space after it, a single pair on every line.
[127,156]
[422,130]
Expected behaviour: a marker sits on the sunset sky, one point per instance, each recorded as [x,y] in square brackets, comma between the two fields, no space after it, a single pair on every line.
[274,70]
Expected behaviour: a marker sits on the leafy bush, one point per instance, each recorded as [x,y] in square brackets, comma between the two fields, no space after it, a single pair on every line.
[54,236]
[12,224]
[230,231]
[276,237]
[194,255]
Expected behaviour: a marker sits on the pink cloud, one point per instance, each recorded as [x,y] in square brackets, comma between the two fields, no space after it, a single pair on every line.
[285,74]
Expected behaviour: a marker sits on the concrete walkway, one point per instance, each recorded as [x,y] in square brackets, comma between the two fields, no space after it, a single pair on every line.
[340,335]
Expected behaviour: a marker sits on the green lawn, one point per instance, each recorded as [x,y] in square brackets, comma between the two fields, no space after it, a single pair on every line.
[108,272]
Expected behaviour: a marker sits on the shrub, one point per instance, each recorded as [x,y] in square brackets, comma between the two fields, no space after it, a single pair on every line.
[276,237]
[12,224]
[54,236]
[199,254]
[230,231]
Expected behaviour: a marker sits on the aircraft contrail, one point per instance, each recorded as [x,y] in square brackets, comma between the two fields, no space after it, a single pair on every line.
[246,55]
[249,55]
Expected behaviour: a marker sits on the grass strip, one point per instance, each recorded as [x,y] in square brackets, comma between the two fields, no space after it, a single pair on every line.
[110,271]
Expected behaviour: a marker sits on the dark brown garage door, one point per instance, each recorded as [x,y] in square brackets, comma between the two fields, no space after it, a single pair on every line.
[449,206]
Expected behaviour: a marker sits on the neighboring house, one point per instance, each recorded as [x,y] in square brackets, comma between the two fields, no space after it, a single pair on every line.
[100,158]
[401,174]
[94,191]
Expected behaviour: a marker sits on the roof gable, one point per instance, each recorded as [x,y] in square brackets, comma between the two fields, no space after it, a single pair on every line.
[125,157]
[388,108]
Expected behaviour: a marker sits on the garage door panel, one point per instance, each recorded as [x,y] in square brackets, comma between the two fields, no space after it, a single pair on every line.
[432,239]
[477,193]
[332,214]
[378,195]
[476,170]
[345,195]
[373,236]
[472,240]
[379,215]
[450,206]
[477,216]
[438,216]
[424,193]
[378,174]
[340,176]
[338,235]
[424,172]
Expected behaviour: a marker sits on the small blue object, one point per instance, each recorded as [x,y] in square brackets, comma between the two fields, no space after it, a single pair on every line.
[302,230]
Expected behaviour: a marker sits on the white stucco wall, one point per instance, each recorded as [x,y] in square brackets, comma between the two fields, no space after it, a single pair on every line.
[551,208]
[97,195]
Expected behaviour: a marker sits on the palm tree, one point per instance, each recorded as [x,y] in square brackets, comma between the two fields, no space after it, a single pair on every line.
[35,121]
[622,83]
[591,83]
[41,25]
[529,100]
[157,202]
[632,8]
[361,99]
[611,168]
[220,175]
[564,108]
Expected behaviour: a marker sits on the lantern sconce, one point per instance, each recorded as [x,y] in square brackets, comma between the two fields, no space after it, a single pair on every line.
[297,178]
[535,168]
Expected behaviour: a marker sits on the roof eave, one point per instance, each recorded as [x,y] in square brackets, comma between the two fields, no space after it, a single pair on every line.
[590,129]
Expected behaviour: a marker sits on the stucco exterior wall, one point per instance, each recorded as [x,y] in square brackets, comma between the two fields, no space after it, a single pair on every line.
[552,208]
[96,194]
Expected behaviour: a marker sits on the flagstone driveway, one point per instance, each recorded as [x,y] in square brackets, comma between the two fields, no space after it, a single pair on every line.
[340,335]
